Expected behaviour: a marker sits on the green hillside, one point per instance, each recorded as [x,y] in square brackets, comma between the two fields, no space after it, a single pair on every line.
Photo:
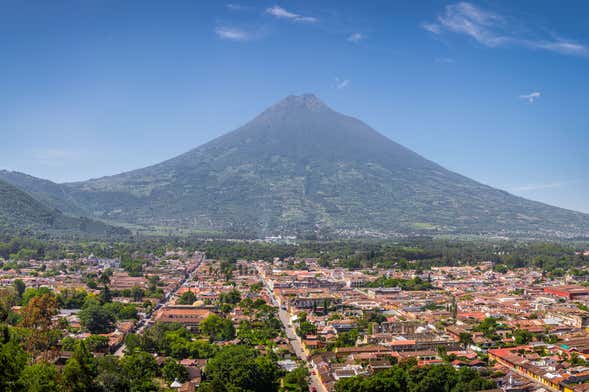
[19,212]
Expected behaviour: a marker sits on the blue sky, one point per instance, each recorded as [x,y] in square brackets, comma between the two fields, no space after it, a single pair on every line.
[495,90]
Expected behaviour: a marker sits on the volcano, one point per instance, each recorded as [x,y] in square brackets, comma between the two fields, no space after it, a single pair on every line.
[300,167]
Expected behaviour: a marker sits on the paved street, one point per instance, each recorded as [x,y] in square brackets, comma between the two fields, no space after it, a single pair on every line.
[141,324]
[295,341]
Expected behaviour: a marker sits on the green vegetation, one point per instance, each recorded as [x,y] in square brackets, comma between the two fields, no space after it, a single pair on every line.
[296,381]
[407,377]
[82,372]
[306,328]
[172,340]
[187,298]
[173,370]
[97,319]
[414,284]
[232,297]
[264,325]
[21,213]
[346,339]
[489,328]
[238,368]
[413,253]
[217,328]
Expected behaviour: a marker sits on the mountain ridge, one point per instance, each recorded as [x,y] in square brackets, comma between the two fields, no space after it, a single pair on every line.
[301,167]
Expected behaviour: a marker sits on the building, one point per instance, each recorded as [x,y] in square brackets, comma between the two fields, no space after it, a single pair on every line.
[186,315]
[569,291]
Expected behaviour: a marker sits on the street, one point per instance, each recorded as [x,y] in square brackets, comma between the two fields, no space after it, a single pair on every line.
[141,324]
[295,341]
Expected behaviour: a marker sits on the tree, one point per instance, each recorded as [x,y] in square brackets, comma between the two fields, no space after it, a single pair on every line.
[105,277]
[110,375]
[105,295]
[465,339]
[154,280]
[302,316]
[231,297]
[121,311]
[576,360]
[137,293]
[8,298]
[80,370]
[133,342]
[454,308]
[217,328]
[347,339]
[12,362]
[74,378]
[19,286]
[238,368]
[443,353]
[172,370]
[522,336]
[38,318]
[296,381]
[40,377]
[488,327]
[409,377]
[97,319]
[32,293]
[140,368]
[71,298]
[187,298]
[306,328]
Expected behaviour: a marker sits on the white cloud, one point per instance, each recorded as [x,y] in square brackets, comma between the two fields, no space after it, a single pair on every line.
[232,34]
[236,7]
[494,30]
[444,60]
[341,84]
[356,37]
[281,13]
[563,47]
[55,156]
[531,97]
[539,187]
[431,27]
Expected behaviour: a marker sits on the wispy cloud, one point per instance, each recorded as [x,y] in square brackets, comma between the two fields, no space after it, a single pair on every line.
[281,13]
[444,60]
[232,34]
[55,156]
[531,97]
[539,187]
[432,27]
[356,37]
[341,84]
[236,7]
[494,30]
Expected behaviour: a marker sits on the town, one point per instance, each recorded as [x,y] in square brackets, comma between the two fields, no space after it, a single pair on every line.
[171,320]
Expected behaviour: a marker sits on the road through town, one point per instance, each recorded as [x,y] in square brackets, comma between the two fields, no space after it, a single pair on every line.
[295,341]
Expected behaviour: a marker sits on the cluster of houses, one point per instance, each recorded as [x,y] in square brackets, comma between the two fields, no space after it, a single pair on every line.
[347,325]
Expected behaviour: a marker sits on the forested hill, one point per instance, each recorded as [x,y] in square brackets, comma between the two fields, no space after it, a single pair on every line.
[19,212]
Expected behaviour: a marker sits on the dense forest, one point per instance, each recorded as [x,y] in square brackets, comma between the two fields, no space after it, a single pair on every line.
[421,253]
